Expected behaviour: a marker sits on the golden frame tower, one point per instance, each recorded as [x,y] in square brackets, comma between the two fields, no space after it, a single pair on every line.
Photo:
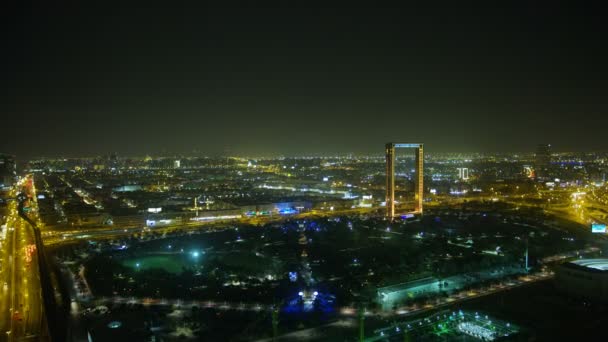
[390,176]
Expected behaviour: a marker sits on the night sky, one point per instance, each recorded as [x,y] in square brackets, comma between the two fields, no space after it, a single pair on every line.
[81,81]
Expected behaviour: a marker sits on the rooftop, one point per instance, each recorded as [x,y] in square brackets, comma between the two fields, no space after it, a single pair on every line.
[597,264]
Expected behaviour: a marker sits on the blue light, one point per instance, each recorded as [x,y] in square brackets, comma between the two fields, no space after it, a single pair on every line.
[288,211]
[400,145]
[114,325]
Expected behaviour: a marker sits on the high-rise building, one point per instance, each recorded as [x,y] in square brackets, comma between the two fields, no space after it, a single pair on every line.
[113,160]
[8,171]
[542,161]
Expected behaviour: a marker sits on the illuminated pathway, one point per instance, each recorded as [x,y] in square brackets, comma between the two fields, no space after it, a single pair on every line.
[343,311]
[179,303]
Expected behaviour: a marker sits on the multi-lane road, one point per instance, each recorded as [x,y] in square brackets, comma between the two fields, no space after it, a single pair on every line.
[21,305]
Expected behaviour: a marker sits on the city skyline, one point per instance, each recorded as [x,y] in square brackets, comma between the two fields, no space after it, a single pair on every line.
[463,155]
[294,80]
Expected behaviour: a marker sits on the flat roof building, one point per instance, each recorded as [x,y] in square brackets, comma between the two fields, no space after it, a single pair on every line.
[585,278]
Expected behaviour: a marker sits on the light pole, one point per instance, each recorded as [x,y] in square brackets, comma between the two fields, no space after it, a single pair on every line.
[361,314]
[275,323]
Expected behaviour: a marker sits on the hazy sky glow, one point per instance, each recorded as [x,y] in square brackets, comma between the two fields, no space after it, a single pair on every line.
[83,81]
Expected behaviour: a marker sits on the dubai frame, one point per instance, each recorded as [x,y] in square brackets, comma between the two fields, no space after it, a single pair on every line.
[390,176]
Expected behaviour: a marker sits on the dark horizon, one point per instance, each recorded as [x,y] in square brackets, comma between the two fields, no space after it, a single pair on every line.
[294,81]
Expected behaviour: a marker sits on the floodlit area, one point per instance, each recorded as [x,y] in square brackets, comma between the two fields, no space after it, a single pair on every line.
[596,264]
[449,325]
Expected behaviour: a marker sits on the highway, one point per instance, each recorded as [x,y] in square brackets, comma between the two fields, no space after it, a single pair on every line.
[52,237]
[22,313]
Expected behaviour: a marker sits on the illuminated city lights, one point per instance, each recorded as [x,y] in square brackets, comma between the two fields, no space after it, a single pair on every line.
[215,173]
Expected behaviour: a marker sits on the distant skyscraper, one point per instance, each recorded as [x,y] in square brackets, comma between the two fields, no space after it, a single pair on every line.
[177,164]
[113,160]
[8,171]
[542,161]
